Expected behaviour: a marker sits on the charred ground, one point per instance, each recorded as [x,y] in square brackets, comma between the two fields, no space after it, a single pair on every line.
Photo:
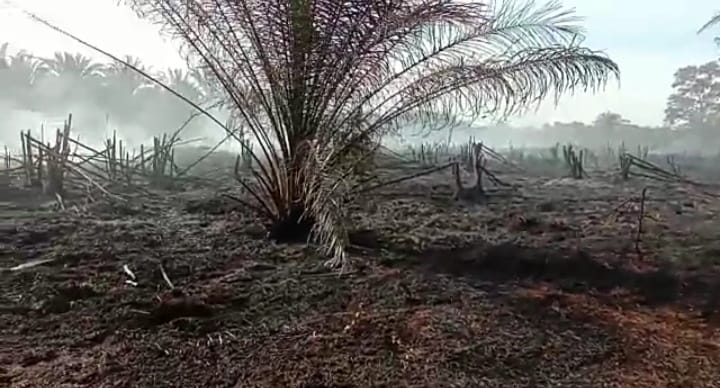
[544,285]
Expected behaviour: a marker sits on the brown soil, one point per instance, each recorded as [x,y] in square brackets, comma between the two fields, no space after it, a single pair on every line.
[539,288]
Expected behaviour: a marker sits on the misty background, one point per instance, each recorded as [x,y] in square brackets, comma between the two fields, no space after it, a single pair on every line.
[669,99]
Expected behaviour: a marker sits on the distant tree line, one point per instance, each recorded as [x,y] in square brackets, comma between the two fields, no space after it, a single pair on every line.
[609,128]
[691,117]
[692,112]
[56,86]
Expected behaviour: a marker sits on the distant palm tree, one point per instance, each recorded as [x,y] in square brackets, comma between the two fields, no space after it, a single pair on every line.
[19,74]
[211,89]
[118,75]
[160,111]
[73,65]
[184,83]
[119,91]
[22,66]
[72,79]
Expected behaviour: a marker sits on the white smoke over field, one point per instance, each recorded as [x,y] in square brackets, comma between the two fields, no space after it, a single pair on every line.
[93,127]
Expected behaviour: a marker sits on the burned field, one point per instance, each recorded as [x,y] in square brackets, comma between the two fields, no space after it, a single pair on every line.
[550,280]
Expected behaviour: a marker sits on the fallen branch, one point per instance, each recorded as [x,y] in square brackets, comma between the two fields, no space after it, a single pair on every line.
[166,278]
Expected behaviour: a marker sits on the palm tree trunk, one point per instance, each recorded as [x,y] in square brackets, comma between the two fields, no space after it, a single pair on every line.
[296,223]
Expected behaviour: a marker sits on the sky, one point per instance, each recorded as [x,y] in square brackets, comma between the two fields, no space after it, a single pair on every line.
[649,39]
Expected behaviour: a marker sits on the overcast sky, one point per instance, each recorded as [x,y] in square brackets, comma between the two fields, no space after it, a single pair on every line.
[649,39]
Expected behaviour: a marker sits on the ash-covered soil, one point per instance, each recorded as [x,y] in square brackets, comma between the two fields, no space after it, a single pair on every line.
[548,285]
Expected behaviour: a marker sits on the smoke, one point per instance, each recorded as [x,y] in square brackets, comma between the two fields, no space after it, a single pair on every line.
[92,125]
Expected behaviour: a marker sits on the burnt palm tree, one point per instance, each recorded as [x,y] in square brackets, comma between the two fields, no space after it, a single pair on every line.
[313,79]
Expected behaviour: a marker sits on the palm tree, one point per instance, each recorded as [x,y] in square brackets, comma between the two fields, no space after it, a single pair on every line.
[311,79]
[73,65]
[19,74]
[21,69]
[184,83]
[73,78]
[120,92]
[119,76]
[207,85]
[167,113]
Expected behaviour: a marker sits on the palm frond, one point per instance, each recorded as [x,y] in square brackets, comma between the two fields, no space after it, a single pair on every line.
[309,80]
[715,20]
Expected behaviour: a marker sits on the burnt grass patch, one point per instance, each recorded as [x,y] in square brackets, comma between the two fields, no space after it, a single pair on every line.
[211,303]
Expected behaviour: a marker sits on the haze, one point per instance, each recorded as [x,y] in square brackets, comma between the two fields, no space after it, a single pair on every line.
[649,40]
